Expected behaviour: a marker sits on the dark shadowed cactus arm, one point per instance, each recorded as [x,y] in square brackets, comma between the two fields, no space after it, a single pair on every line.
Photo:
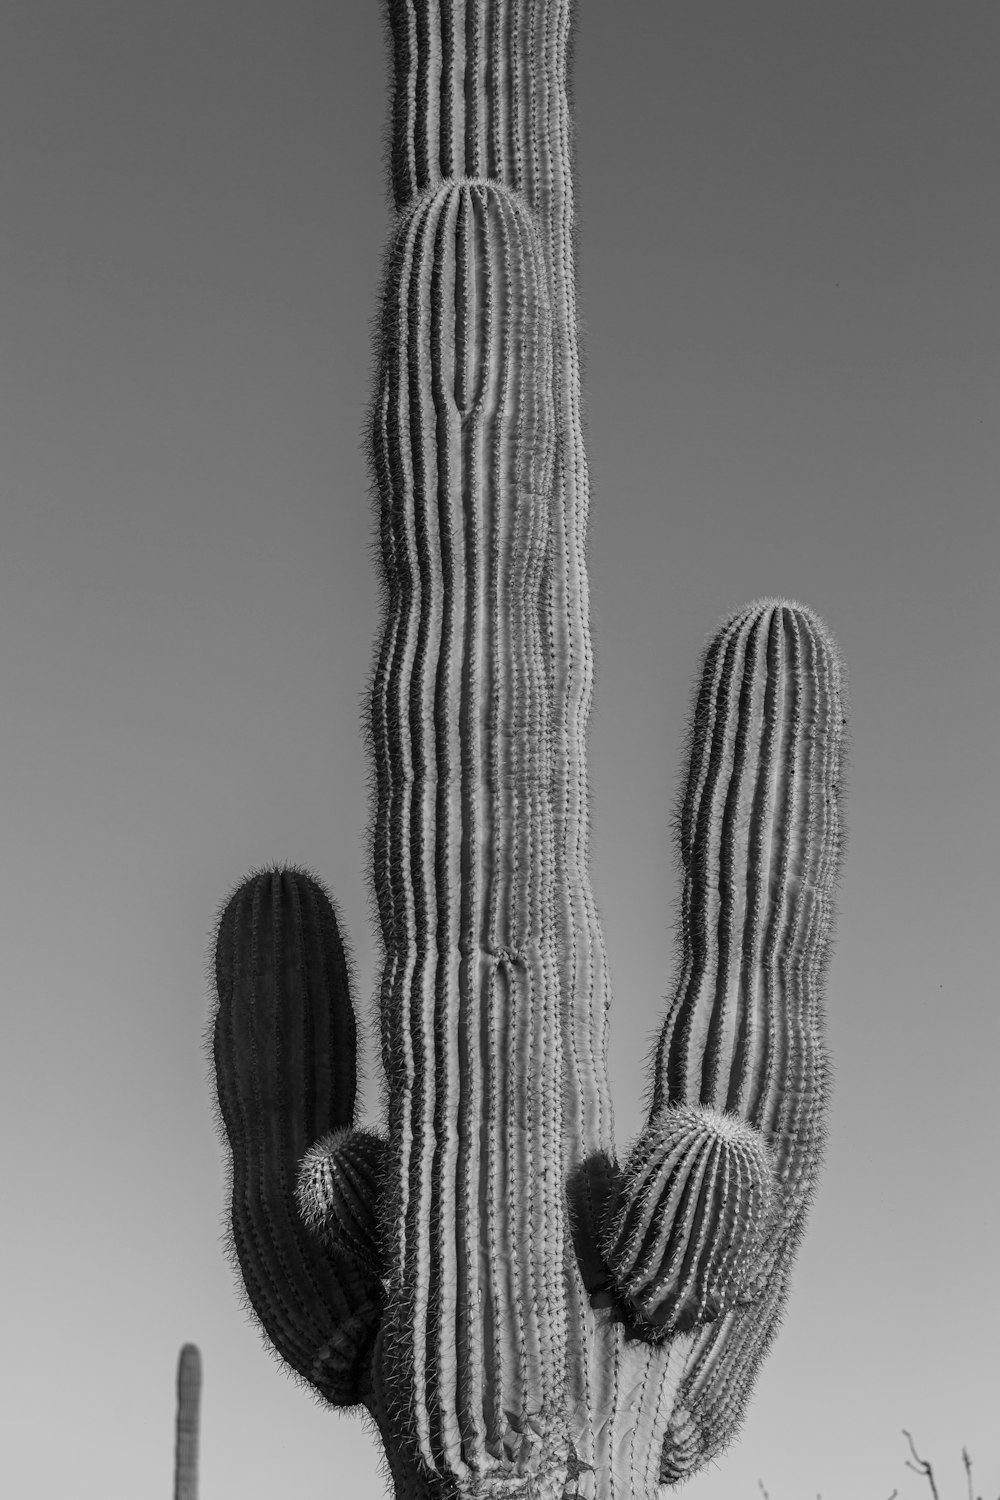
[284,1044]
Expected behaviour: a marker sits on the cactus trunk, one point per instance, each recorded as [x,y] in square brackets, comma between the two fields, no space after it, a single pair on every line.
[522,1317]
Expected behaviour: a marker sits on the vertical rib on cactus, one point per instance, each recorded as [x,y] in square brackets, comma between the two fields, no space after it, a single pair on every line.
[473,1342]
[481,90]
[286,1072]
[186,1431]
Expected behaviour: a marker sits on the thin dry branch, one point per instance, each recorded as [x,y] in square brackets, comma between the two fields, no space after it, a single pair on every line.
[921,1466]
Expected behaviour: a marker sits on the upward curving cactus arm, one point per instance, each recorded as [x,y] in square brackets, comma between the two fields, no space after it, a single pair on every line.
[284,1043]
[482,90]
[761,844]
[525,1319]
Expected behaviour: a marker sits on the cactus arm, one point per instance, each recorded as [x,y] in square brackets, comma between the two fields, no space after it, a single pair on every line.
[285,1067]
[187,1424]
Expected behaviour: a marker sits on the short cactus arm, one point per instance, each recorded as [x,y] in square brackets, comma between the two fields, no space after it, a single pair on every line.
[286,1070]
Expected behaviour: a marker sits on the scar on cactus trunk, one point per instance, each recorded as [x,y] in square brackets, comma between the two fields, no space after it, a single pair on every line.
[520,1314]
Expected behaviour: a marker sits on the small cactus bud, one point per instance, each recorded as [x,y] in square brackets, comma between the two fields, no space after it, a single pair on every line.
[684,1229]
[338,1190]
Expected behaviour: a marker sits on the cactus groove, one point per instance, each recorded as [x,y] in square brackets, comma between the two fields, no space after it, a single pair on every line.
[521,1317]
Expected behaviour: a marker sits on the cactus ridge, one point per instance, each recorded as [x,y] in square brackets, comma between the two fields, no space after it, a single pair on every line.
[693,1201]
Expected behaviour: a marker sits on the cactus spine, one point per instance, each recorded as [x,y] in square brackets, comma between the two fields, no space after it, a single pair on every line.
[522,1317]
[187,1427]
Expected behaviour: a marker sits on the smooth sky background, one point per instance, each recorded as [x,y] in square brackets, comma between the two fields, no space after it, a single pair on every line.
[789,240]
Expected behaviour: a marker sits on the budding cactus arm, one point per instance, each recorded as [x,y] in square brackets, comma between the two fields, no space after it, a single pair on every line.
[285,1067]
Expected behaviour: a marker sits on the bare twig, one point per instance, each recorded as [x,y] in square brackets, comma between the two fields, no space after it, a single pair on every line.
[967,1462]
[924,1467]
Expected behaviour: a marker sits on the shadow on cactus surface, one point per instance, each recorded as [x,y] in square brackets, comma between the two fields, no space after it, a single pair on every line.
[520,1313]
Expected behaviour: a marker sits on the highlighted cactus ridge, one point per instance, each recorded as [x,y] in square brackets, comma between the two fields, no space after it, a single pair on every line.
[689,1218]
[339,1184]
[285,1062]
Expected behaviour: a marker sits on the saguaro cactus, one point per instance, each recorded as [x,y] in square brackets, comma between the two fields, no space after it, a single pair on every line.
[188,1419]
[521,1316]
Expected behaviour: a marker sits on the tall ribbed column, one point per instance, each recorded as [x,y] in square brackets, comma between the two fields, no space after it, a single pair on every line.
[473,1343]
[480,88]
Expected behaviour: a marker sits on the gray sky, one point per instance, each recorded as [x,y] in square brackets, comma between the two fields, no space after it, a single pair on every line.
[789,226]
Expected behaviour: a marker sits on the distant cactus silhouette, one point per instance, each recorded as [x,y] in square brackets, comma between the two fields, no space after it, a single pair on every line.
[520,1316]
[188,1422]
